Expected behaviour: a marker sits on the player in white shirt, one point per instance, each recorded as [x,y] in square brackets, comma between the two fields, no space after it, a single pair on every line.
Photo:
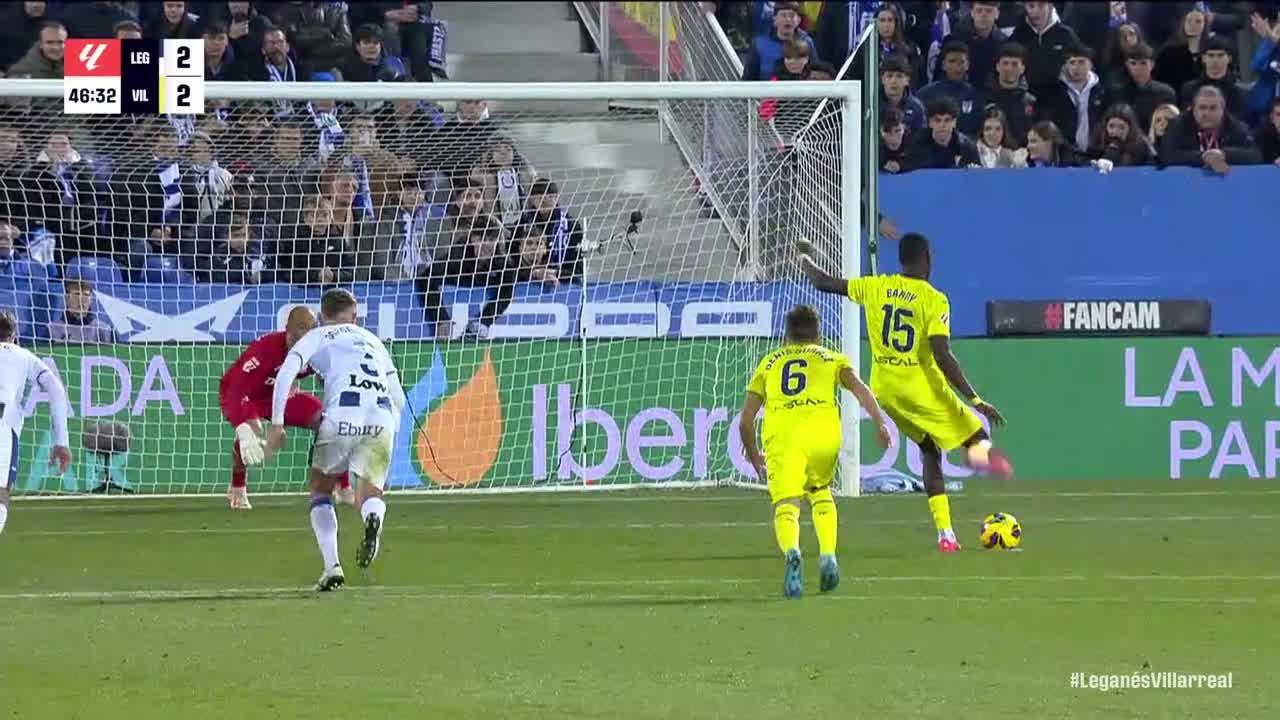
[362,403]
[20,369]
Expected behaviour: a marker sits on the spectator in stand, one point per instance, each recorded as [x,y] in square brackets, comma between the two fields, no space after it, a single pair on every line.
[147,197]
[44,60]
[550,235]
[340,186]
[174,22]
[219,57]
[22,22]
[319,31]
[79,324]
[1008,91]
[1045,37]
[511,177]
[786,115]
[942,146]
[95,19]
[1269,135]
[283,175]
[408,128]
[407,31]
[316,254]
[401,243]
[996,148]
[208,184]
[127,30]
[1266,65]
[273,62]
[1077,100]
[893,133]
[14,167]
[984,40]
[67,198]
[1209,136]
[1096,23]
[238,259]
[835,34]
[893,40]
[1178,62]
[477,258]
[895,91]
[952,84]
[1161,118]
[766,50]
[367,62]
[375,168]
[249,133]
[1119,139]
[1120,43]
[819,70]
[454,148]
[1139,90]
[1047,148]
[1216,60]
[1220,17]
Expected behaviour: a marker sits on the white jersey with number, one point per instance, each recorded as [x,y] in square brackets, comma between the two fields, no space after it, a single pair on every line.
[362,398]
[20,369]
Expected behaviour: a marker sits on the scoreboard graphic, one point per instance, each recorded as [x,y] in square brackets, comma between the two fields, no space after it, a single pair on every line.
[142,77]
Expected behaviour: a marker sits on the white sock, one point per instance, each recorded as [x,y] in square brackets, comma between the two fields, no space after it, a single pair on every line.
[4,515]
[373,506]
[324,521]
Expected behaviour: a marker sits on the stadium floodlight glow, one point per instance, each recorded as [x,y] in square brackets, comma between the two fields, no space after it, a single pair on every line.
[627,373]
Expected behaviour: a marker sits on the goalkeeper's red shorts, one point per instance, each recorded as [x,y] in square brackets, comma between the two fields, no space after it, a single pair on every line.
[302,410]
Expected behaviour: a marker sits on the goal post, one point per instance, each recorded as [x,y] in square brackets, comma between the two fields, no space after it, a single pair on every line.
[568,307]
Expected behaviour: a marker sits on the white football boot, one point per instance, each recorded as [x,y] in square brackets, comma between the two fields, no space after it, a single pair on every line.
[238,498]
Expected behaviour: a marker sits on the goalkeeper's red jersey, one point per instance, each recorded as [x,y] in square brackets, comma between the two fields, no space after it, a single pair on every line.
[250,381]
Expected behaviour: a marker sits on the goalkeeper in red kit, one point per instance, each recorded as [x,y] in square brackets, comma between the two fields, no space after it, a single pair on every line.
[245,396]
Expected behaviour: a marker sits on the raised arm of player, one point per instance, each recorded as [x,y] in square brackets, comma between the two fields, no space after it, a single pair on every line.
[821,279]
[851,382]
[950,367]
[58,411]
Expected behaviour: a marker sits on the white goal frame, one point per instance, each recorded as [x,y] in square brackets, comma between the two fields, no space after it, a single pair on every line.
[849,93]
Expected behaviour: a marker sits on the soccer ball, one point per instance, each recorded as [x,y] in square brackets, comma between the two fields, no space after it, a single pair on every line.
[1000,531]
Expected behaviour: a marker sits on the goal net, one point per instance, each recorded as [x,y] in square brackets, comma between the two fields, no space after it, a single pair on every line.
[570,301]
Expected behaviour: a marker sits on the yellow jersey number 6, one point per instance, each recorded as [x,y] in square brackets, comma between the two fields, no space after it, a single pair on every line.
[793,378]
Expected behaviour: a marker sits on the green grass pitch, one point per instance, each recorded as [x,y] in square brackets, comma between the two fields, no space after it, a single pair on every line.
[642,605]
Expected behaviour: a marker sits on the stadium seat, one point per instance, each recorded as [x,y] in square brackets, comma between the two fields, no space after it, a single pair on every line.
[165,270]
[97,270]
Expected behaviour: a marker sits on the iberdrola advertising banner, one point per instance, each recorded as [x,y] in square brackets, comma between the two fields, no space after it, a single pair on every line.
[544,412]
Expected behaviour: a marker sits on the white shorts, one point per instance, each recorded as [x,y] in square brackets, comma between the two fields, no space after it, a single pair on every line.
[8,458]
[361,446]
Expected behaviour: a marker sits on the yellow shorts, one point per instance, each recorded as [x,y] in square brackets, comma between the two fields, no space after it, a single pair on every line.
[948,421]
[798,467]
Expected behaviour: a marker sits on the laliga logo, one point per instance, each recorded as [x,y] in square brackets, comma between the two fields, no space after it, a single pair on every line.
[91,54]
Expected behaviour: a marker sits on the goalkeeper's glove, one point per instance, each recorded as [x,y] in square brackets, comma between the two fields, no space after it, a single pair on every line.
[252,451]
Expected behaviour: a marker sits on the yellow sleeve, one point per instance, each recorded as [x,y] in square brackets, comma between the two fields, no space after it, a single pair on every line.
[938,324]
[757,384]
[859,289]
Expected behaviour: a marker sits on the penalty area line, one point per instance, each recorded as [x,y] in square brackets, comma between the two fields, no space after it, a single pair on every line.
[383,593]
[731,524]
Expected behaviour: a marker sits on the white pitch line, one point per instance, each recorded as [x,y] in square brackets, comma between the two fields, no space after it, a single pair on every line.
[168,502]
[375,593]
[731,524]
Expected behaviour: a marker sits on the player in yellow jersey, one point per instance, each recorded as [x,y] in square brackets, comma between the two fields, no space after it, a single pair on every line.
[913,369]
[797,386]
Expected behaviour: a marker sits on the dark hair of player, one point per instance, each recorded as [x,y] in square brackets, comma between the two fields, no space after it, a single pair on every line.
[336,302]
[913,251]
[8,325]
[802,324]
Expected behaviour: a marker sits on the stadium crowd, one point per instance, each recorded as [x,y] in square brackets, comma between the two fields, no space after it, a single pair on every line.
[1041,84]
[307,193]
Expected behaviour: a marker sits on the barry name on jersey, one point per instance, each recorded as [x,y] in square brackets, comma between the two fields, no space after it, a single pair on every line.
[900,294]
